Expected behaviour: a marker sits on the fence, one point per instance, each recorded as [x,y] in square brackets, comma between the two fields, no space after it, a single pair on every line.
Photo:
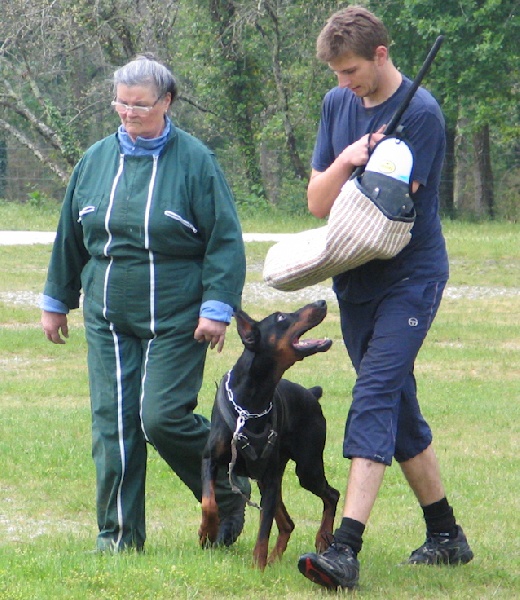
[23,176]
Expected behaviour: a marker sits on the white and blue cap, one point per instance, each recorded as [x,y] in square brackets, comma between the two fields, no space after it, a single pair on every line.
[386,178]
[392,157]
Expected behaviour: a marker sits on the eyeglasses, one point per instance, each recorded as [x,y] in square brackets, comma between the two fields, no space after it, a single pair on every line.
[123,108]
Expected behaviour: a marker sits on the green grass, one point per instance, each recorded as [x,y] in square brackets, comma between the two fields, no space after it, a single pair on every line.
[469,385]
[41,214]
[32,215]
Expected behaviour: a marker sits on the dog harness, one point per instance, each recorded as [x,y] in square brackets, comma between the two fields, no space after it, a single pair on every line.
[255,448]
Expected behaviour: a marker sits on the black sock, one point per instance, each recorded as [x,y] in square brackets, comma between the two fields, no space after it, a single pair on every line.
[439,519]
[350,532]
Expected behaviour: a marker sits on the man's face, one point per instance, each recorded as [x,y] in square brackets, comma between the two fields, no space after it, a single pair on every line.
[358,74]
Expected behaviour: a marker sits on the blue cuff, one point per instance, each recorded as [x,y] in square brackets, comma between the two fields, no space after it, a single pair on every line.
[52,305]
[216,311]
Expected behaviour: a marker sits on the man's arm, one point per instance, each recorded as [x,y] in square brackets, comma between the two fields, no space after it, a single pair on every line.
[324,186]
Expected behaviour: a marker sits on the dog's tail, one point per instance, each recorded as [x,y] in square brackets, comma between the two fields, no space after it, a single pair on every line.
[316,391]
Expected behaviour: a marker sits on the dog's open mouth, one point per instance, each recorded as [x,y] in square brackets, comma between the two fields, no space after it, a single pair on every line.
[311,346]
[310,316]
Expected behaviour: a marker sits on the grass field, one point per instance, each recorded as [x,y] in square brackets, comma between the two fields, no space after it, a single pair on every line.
[469,385]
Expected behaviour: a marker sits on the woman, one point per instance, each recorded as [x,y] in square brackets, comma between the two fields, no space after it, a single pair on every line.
[149,232]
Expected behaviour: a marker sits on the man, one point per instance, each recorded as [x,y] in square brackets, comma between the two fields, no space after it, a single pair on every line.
[386,307]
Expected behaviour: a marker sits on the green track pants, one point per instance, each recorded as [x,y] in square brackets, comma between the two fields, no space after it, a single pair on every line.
[143,389]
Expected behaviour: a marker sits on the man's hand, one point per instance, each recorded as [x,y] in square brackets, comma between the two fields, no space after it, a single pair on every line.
[325,186]
[53,323]
[358,153]
[211,331]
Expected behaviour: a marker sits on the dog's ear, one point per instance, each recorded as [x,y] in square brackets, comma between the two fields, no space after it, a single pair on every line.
[247,329]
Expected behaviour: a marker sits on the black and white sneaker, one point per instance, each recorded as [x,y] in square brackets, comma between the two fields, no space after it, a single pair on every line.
[441,550]
[337,567]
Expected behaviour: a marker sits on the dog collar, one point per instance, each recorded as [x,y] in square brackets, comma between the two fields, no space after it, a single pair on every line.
[243,414]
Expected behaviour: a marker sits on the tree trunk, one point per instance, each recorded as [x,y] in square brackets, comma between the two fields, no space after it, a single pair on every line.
[446,191]
[270,164]
[3,167]
[23,139]
[299,169]
[239,85]
[462,184]
[483,174]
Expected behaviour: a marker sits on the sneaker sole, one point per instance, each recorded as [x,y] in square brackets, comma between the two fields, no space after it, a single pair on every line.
[312,571]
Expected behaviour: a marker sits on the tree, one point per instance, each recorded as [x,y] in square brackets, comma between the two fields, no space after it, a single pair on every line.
[54,60]
[250,85]
[34,75]
[3,166]
[243,95]
[472,74]
[256,69]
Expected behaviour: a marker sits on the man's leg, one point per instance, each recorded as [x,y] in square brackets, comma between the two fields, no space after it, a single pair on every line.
[383,338]
[338,565]
[424,477]
[364,481]
[445,541]
[384,416]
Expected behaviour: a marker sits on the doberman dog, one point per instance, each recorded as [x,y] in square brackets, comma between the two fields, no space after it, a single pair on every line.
[260,421]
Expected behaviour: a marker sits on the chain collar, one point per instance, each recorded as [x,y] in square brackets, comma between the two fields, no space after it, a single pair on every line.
[243,414]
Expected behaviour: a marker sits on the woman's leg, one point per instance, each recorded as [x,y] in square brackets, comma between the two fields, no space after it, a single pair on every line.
[118,444]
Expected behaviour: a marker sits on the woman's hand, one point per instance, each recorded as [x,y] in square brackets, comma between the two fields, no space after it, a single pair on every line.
[211,331]
[53,323]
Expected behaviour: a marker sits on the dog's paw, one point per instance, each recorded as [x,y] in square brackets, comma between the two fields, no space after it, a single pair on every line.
[208,532]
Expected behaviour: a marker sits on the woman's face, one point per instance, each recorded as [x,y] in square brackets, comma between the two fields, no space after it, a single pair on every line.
[145,124]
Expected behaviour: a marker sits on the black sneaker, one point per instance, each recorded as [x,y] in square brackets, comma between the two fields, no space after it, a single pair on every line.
[440,550]
[231,524]
[337,567]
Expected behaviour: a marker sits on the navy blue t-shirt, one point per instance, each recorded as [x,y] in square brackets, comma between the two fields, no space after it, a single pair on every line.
[344,119]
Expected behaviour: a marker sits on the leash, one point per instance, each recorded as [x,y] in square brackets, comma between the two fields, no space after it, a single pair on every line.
[243,417]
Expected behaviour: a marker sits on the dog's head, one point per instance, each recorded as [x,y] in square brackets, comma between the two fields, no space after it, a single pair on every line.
[277,339]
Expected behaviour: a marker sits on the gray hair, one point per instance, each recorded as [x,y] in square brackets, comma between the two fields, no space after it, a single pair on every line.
[147,71]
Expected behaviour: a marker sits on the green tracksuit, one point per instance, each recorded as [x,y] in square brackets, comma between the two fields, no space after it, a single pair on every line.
[148,239]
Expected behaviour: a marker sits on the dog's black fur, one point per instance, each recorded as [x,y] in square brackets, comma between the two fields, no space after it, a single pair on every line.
[281,421]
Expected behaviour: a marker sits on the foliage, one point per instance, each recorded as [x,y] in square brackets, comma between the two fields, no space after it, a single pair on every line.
[480,35]
[250,85]
[479,100]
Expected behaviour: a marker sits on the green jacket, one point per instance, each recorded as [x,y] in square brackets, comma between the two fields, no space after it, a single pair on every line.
[176,207]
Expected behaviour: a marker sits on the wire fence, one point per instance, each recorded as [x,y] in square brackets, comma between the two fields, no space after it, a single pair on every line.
[23,177]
